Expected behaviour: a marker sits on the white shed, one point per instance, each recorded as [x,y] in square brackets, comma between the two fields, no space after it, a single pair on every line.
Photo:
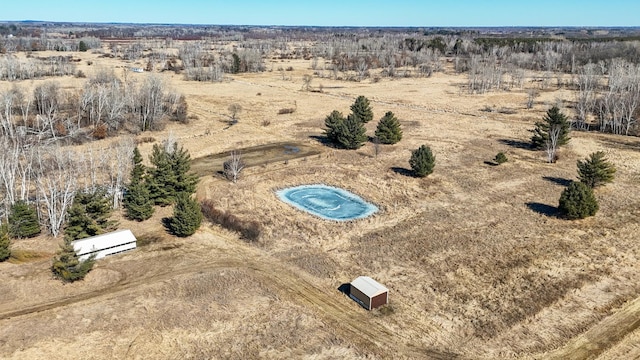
[368,292]
[105,244]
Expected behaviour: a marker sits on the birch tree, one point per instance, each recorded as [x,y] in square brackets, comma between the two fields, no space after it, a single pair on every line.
[56,184]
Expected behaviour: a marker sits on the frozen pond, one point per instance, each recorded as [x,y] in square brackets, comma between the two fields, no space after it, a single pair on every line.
[327,202]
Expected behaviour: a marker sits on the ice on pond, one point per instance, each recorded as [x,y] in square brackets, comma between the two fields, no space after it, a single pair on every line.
[327,202]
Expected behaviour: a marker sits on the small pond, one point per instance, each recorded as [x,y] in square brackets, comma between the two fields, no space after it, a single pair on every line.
[327,202]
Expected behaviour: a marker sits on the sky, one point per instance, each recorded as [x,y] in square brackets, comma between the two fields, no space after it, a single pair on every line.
[413,13]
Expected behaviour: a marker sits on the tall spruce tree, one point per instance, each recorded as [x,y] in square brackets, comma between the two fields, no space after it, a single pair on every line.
[170,174]
[184,181]
[333,122]
[5,242]
[352,134]
[138,171]
[596,170]
[362,109]
[187,216]
[137,200]
[67,266]
[23,220]
[422,161]
[161,177]
[554,119]
[388,130]
[88,215]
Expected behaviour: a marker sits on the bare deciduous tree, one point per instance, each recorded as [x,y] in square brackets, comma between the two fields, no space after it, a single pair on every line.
[306,82]
[233,167]
[56,184]
[586,82]
[551,144]
[234,109]
[149,103]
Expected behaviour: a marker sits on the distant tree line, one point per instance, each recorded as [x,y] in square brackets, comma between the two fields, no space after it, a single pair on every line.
[105,106]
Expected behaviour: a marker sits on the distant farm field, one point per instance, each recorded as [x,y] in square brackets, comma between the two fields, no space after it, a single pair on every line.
[478,263]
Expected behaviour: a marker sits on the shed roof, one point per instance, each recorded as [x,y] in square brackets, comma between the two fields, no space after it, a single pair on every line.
[103,241]
[368,286]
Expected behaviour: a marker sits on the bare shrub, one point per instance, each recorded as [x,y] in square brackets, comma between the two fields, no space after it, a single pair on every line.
[286,111]
[248,229]
[145,139]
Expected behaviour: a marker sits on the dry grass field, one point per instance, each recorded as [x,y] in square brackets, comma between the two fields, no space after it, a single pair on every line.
[477,262]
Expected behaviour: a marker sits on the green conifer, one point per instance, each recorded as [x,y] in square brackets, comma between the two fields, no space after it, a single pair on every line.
[137,203]
[5,242]
[362,109]
[422,161]
[23,220]
[352,134]
[333,122]
[596,170]
[161,177]
[388,130]
[66,265]
[187,216]
[553,119]
[577,201]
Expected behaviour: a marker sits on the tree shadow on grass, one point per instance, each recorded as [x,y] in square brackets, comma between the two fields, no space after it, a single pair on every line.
[518,144]
[322,140]
[403,171]
[558,180]
[544,209]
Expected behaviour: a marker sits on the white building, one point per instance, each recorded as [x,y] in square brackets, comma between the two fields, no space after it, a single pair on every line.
[105,244]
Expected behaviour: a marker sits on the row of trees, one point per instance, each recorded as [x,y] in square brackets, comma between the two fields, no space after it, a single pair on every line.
[47,177]
[166,182]
[13,68]
[104,106]
[608,93]
[350,133]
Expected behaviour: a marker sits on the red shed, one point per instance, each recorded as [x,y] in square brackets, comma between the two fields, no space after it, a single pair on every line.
[369,293]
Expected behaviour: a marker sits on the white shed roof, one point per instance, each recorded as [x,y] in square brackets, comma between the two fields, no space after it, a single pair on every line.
[368,286]
[104,241]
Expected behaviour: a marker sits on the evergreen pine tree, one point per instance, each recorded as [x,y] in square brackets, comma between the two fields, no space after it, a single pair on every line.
[362,109]
[138,170]
[554,119]
[23,220]
[79,224]
[422,161]
[187,216]
[161,177]
[577,201]
[66,265]
[5,242]
[333,122]
[388,130]
[183,181]
[352,134]
[596,170]
[137,200]
[500,158]
[138,203]
[88,215]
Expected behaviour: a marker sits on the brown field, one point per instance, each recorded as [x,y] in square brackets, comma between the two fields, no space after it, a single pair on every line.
[477,263]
